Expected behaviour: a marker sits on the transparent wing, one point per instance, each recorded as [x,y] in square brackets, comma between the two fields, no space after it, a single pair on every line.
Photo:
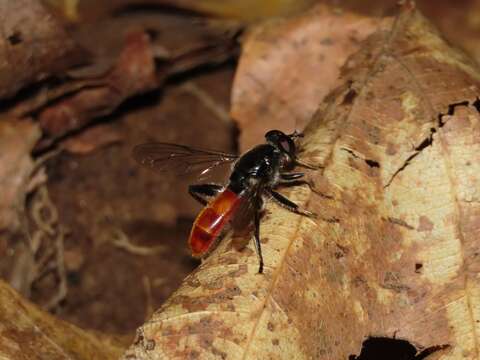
[180,159]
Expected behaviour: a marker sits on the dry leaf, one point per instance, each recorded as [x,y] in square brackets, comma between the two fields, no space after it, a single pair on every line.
[92,139]
[134,73]
[29,333]
[395,250]
[273,85]
[139,69]
[32,45]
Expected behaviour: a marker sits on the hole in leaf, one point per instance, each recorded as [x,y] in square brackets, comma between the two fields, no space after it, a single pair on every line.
[372,163]
[349,96]
[381,348]
[451,107]
[451,111]
[427,142]
[15,38]
[369,162]
[476,104]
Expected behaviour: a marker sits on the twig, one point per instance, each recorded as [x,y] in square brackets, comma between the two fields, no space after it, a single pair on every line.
[44,222]
[208,101]
[122,241]
[62,275]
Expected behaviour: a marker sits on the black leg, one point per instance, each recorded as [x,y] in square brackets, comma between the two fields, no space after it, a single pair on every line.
[290,205]
[297,183]
[295,179]
[201,192]
[258,247]
[291,176]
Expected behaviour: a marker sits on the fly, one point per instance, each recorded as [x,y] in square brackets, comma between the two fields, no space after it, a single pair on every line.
[254,176]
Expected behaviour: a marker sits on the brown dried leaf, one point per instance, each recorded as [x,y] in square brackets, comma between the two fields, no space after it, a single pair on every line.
[394,251]
[92,139]
[172,35]
[143,65]
[273,86]
[457,20]
[32,45]
[29,333]
[134,73]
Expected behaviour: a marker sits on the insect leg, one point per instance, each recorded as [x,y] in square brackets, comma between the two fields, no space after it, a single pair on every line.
[291,176]
[289,183]
[201,192]
[290,205]
[295,179]
[258,248]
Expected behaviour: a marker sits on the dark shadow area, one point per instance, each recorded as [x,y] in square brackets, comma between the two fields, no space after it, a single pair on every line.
[382,348]
[164,9]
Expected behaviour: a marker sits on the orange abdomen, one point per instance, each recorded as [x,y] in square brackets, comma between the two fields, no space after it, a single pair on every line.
[211,221]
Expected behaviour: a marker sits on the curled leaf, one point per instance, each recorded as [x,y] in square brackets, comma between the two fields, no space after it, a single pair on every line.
[133,73]
[29,333]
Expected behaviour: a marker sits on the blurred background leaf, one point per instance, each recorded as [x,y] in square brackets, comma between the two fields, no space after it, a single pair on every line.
[245,10]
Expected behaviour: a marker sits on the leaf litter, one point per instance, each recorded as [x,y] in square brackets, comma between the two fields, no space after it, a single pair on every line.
[381,253]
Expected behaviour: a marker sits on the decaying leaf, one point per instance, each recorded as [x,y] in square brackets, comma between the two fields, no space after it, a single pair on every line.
[142,65]
[29,333]
[32,45]
[134,73]
[92,139]
[273,85]
[394,252]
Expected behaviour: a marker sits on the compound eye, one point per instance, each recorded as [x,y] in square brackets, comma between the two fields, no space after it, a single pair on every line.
[282,141]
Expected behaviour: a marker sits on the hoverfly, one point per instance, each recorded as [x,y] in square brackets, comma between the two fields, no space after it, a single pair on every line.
[254,176]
